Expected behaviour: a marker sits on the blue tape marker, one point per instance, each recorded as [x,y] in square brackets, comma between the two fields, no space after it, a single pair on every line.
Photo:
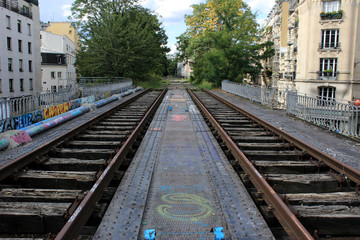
[150,234]
[186,109]
[170,108]
[219,235]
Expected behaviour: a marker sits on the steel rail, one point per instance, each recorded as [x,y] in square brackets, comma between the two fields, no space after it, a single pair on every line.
[73,226]
[284,215]
[19,163]
[330,161]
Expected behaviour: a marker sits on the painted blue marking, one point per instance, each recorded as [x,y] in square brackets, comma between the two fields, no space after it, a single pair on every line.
[202,224]
[219,235]
[149,234]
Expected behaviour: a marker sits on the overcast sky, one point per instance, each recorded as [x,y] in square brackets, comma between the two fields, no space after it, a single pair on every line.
[171,11]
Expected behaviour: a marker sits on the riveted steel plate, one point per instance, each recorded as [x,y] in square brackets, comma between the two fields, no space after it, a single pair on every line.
[193,187]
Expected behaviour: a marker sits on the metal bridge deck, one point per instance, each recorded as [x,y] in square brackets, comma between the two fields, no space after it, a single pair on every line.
[181,184]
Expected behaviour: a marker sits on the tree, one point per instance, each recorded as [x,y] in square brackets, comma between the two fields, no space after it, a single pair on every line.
[221,41]
[119,38]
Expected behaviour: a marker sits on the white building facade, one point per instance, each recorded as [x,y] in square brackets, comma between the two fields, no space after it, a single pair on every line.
[20,71]
[58,59]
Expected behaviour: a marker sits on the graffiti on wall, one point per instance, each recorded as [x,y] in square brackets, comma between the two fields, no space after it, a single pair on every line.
[61,108]
[25,120]
[87,100]
[56,110]
[21,121]
[20,137]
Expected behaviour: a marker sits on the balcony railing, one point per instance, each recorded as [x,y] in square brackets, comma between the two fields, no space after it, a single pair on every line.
[331,15]
[13,6]
[329,46]
[327,75]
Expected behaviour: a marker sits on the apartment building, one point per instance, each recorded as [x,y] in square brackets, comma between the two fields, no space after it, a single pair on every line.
[58,54]
[317,48]
[64,29]
[19,48]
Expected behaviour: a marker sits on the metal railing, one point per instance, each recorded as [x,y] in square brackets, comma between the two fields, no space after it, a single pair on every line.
[342,118]
[265,96]
[13,6]
[338,117]
[19,106]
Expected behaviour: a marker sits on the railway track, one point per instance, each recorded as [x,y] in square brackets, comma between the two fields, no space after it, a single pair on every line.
[56,188]
[311,194]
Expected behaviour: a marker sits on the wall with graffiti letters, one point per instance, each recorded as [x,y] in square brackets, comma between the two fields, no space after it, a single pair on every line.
[16,123]
[86,100]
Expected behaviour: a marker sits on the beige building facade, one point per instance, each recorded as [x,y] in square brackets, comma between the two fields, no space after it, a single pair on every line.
[66,29]
[317,48]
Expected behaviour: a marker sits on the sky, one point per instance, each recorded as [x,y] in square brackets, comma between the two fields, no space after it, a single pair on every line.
[171,11]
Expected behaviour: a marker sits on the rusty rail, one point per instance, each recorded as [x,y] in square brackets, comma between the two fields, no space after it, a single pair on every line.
[84,210]
[284,215]
[333,163]
[19,163]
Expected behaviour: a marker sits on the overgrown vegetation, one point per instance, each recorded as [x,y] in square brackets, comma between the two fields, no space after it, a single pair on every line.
[119,38]
[221,42]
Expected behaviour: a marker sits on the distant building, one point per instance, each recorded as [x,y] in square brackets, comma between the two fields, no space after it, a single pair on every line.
[184,69]
[58,54]
[20,71]
[63,28]
[317,47]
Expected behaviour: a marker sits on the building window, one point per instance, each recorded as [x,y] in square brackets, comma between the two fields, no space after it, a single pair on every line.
[11,87]
[330,38]
[59,59]
[20,45]
[21,65]
[29,29]
[326,95]
[8,23]
[30,66]
[331,6]
[10,68]
[53,88]
[59,75]
[21,84]
[52,75]
[19,26]
[30,83]
[29,47]
[26,10]
[328,68]
[9,43]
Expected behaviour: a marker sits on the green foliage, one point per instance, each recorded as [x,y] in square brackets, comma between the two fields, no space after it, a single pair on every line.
[221,42]
[171,67]
[119,38]
[153,81]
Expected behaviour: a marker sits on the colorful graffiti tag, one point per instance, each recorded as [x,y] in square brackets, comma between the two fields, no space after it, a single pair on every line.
[87,100]
[21,121]
[20,137]
[16,123]
[179,118]
[183,206]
